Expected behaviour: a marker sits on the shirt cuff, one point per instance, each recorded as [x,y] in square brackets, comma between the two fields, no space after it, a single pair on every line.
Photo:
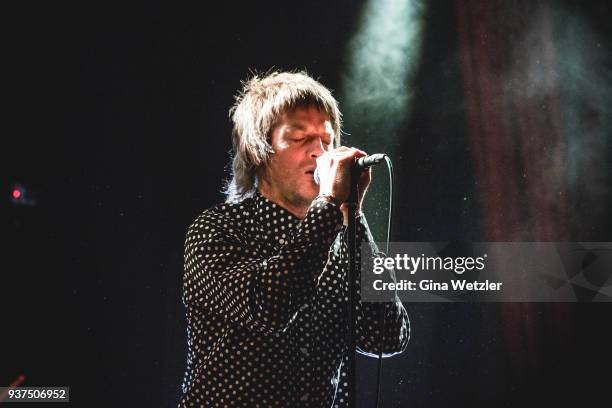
[322,223]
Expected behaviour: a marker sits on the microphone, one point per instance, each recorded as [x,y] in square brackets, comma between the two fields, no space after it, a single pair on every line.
[361,164]
[364,163]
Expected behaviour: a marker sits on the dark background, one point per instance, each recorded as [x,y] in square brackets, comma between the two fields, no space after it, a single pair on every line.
[116,123]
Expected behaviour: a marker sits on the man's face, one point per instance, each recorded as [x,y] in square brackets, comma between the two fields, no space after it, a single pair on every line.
[298,138]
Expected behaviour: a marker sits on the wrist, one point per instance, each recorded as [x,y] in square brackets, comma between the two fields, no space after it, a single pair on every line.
[327,198]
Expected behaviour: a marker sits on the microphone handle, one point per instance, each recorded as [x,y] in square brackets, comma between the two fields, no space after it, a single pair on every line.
[363,163]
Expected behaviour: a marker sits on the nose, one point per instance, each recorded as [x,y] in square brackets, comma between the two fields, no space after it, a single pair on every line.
[318,147]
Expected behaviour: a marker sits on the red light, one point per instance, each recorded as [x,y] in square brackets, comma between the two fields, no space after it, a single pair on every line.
[16,193]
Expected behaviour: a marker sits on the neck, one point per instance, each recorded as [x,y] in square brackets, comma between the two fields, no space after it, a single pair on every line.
[298,210]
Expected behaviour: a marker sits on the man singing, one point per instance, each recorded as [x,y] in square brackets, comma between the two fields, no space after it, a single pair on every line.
[265,285]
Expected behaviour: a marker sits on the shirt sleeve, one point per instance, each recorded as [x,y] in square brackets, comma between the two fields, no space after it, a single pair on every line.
[370,314]
[226,276]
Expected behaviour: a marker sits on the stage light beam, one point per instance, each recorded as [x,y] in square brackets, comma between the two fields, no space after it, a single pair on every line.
[376,91]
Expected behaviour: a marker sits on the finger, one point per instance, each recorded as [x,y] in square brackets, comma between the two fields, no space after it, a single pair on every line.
[366,175]
[355,152]
[347,158]
[349,153]
[361,152]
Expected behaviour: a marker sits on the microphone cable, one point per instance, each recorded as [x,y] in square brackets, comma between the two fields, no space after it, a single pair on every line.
[381,332]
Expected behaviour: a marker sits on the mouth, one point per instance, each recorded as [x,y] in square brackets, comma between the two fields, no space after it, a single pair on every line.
[311,176]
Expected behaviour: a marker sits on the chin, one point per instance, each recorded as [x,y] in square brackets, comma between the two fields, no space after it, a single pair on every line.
[309,194]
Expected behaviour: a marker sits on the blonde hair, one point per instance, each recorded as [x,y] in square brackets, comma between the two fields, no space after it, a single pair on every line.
[257,109]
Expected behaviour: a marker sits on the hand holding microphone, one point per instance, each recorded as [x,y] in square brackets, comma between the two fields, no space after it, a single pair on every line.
[334,170]
[362,163]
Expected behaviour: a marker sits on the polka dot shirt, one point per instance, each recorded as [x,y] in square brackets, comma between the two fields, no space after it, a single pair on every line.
[265,295]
